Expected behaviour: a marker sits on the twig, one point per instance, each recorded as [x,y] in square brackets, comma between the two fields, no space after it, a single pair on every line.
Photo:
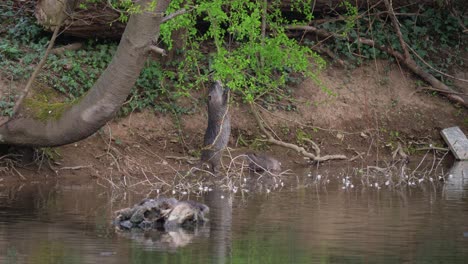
[432,148]
[39,66]
[189,160]
[396,25]
[409,63]
[331,55]
[19,173]
[399,150]
[434,69]
[173,15]
[301,150]
[76,167]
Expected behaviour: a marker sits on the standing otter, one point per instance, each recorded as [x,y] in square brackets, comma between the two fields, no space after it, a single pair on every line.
[219,126]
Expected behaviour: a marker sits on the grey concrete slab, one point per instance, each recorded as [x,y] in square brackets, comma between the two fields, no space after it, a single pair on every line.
[457,142]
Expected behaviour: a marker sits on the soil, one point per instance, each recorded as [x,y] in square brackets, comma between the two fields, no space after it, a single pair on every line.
[372,109]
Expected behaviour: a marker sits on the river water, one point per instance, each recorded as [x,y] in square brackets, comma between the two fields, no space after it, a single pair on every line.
[54,222]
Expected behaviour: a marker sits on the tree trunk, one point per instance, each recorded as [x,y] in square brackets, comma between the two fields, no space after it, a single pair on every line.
[105,98]
[100,20]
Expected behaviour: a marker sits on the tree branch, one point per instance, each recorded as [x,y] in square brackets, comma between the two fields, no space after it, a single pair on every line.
[409,63]
[396,25]
[158,50]
[38,67]
[173,15]
[297,148]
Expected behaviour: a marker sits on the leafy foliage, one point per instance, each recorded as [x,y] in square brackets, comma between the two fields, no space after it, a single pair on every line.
[73,73]
[435,35]
[249,61]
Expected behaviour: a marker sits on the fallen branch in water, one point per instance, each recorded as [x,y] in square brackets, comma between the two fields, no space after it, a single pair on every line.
[301,150]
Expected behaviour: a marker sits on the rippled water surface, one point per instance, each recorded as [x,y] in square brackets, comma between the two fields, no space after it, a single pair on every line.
[59,223]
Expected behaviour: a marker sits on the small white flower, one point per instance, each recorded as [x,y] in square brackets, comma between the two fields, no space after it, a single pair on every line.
[309,174]
[157,191]
[421,180]
[209,189]
[222,196]
[184,193]
[328,181]
[430,179]
[387,183]
[50,111]
[173,191]
[282,184]
[352,186]
[319,177]
[268,190]
[376,185]
[205,189]
[343,188]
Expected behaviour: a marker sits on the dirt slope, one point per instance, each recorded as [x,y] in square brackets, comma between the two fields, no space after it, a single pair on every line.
[374,107]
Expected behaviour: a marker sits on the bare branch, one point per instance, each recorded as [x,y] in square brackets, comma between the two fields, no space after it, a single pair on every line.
[396,25]
[173,15]
[297,148]
[158,50]
[39,66]
[407,61]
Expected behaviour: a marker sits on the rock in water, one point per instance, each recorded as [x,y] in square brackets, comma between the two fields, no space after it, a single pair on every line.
[186,214]
[161,213]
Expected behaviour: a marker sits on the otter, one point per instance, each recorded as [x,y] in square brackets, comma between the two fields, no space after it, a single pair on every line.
[219,126]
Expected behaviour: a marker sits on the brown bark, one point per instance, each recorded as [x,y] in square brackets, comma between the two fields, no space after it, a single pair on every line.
[97,20]
[100,20]
[101,103]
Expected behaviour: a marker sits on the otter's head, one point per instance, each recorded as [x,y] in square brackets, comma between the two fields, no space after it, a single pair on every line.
[218,96]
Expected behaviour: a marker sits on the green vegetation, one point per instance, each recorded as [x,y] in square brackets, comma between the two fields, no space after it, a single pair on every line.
[252,63]
[245,44]
[434,35]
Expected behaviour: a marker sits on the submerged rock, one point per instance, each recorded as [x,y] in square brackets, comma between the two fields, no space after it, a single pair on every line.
[186,214]
[161,213]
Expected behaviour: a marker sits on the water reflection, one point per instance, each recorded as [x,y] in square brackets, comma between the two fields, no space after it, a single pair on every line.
[54,223]
[456,187]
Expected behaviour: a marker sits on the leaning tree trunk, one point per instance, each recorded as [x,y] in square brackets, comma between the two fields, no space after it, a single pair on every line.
[104,99]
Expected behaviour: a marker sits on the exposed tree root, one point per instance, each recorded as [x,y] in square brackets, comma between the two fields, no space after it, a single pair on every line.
[300,150]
